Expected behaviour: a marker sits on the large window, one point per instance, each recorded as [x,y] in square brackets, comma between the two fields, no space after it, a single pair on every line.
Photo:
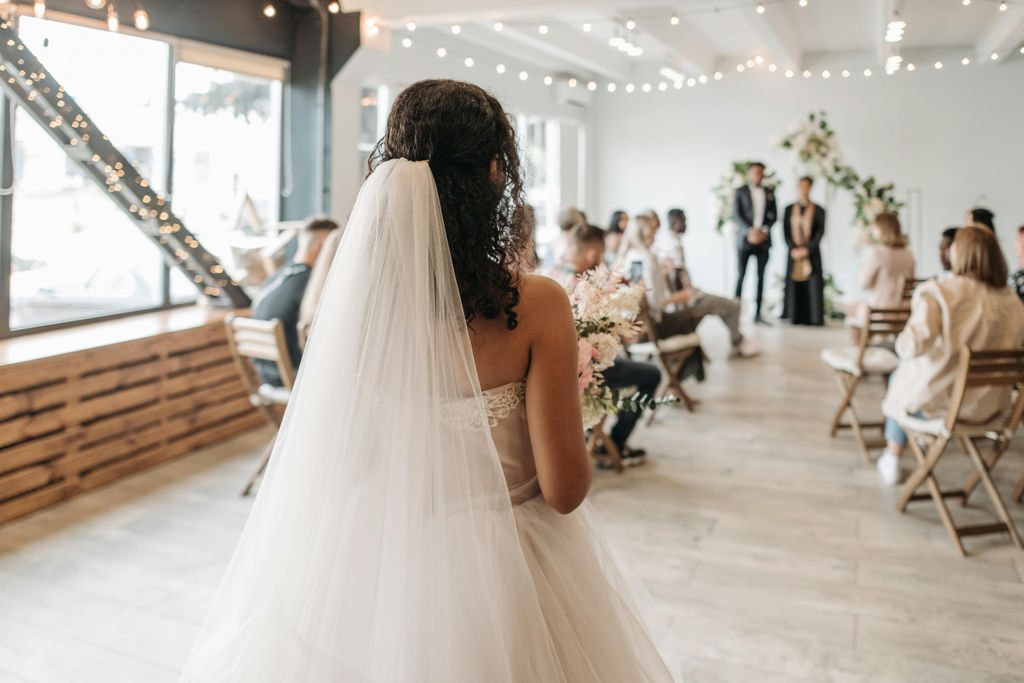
[74,255]
[226,133]
[539,142]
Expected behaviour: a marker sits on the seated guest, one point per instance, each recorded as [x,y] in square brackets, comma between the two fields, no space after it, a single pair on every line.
[973,307]
[585,251]
[888,263]
[639,264]
[318,280]
[945,242]
[281,297]
[613,236]
[670,252]
[1017,279]
[568,218]
[982,217]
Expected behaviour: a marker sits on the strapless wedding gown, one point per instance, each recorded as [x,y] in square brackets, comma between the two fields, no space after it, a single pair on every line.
[591,611]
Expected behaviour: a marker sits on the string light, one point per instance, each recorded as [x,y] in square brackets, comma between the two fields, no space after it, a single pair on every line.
[826,74]
[411,26]
[141,19]
[630,87]
[469,62]
[894,30]
[572,82]
[740,68]
[678,85]
[719,75]
[759,59]
[406,42]
[499,27]
[674,20]
[994,56]
[663,86]
[587,27]
[523,75]
[95,4]
[760,8]
[802,3]
[846,73]
[772,68]
[703,79]
[456,29]
[542,29]
[1003,5]
[646,87]
[500,68]
[548,80]
[113,22]
[807,73]
[789,73]
[39,8]
[334,7]
[966,3]
[965,61]
[911,67]
[441,52]
[269,11]
[867,73]
[611,87]
[592,86]
[630,24]
[938,65]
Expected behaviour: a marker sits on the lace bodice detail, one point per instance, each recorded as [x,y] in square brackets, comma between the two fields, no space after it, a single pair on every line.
[498,404]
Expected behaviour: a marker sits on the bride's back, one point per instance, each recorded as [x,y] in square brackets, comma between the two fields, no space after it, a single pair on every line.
[521,327]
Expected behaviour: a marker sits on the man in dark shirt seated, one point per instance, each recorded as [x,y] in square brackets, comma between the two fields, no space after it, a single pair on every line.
[281,296]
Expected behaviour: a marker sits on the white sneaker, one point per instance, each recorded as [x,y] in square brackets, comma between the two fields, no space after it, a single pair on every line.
[745,349]
[888,466]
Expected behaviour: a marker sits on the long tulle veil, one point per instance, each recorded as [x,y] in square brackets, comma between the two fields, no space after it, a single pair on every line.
[382,544]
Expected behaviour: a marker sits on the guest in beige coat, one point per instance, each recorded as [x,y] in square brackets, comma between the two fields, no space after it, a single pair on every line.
[971,308]
[887,265]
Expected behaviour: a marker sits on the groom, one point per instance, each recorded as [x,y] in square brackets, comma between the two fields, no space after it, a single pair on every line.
[754,211]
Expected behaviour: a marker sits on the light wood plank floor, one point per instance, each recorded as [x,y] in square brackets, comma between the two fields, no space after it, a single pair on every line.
[771,550]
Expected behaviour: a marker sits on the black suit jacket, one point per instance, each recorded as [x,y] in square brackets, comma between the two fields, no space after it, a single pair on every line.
[743,214]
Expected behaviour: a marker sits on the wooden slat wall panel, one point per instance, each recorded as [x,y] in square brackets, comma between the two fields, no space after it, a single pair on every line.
[77,421]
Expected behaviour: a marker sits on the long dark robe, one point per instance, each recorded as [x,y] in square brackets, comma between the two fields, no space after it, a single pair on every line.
[804,302]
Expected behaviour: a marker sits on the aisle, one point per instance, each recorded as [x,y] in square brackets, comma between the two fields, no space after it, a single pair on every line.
[771,550]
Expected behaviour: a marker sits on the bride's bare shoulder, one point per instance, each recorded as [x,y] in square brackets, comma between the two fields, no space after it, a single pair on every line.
[542,301]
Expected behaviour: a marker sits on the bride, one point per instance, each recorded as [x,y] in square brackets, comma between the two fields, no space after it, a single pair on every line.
[422,518]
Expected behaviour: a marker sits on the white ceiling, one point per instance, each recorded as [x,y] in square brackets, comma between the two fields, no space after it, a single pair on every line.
[710,34]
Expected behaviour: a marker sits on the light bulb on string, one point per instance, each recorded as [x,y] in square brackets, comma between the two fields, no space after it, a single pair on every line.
[867,73]
[965,61]
[750,63]
[690,82]
[663,86]
[646,87]
[759,59]
[802,3]
[442,53]
[678,85]
[39,8]
[994,56]
[548,80]
[611,87]
[269,11]
[1003,6]
[674,20]
[523,75]
[113,22]
[592,86]
[760,8]
[572,82]
[911,67]
[807,73]
[772,68]
[826,74]
[542,29]
[334,7]
[406,42]
[741,68]
[456,29]
[966,3]
[630,24]
[96,4]
[719,75]
[141,19]
[702,79]
[630,87]
[500,68]
[846,73]
[499,27]
[938,65]
[468,61]
[411,26]
[789,73]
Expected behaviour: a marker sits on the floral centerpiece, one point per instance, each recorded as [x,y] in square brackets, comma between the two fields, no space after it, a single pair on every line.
[725,190]
[605,310]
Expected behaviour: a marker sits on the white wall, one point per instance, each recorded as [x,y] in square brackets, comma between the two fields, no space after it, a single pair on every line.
[949,139]
[380,62]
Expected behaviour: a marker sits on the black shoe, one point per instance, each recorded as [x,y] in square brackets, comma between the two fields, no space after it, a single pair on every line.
[758,320]
[633,457]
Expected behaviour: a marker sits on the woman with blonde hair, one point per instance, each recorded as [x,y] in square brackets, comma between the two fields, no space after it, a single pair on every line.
[972,307]
[887,265]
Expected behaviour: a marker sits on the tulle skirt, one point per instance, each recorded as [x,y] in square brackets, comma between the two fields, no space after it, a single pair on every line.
[598,616]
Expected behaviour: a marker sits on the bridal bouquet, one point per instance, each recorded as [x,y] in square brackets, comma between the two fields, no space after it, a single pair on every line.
[605,309]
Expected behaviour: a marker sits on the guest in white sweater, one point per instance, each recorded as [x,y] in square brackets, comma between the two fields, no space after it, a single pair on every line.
[972,307]
[887,265]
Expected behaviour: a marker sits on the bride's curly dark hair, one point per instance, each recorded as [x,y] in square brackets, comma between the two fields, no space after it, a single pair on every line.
[460,129]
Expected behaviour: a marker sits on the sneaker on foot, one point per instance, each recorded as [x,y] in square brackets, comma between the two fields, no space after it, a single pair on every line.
[888,466]
[745,349]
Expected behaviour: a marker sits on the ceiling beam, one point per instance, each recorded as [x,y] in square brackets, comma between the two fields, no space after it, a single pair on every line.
[683,44]
[1004,34]
[568,45]
[777,37]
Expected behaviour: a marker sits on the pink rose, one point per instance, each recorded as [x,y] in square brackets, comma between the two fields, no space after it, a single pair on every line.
[585,378]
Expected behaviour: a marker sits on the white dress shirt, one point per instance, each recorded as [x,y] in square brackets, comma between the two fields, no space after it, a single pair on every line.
[760,204]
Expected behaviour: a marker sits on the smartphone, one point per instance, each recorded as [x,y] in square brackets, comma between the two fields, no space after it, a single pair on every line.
[636,271]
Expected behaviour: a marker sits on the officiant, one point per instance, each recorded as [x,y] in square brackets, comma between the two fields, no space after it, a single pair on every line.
[803,224]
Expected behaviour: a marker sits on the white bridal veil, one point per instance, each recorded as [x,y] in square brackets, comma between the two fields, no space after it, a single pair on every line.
[382,546]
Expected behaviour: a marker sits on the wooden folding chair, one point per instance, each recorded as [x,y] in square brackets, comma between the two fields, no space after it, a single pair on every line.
[977,369]
[249,340]
[854,364]
[599,437]
[671,355]
[909,285]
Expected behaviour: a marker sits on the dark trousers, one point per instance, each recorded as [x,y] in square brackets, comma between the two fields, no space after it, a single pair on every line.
[630,373]
[759,252]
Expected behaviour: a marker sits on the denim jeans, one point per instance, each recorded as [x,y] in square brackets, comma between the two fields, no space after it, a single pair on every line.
[895,433]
